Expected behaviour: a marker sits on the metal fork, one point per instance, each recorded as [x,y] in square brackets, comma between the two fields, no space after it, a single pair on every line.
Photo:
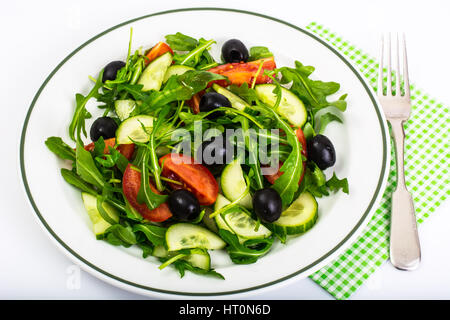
[404,239]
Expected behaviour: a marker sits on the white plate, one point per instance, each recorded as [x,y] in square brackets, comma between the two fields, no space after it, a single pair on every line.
[361,143]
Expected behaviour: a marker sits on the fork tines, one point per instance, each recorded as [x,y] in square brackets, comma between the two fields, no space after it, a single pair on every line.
[398,79]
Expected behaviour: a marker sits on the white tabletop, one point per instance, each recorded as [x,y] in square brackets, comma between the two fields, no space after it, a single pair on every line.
[37,35]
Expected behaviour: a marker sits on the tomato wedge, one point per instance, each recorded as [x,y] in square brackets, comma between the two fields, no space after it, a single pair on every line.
[240,73]
[159,49]
[194,102]
[126,150]
[193,177]
[301,138]
[131,182]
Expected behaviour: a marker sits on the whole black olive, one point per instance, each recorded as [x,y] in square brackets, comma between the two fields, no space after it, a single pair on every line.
[184,205]
[103,127]
[321,151]
[267,204]
[234,51]
[110,70]
[213,153]
[212,100]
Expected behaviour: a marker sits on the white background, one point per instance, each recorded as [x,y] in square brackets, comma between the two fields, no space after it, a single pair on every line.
[37,35]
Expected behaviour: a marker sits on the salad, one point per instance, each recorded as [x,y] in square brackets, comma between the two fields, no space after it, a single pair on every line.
[193,154]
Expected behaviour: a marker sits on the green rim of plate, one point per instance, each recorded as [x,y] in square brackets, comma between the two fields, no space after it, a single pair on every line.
[136,285]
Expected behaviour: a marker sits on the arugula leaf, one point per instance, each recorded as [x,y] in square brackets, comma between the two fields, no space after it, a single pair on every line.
[147,249]
[249,251]
[313,92]
[179,88]
[81,114]
[181,42]
[109,160]
[336,184]
[99,147]
[146,194]
[154,164]
[60,148]
[75,180]
[155,234]
[245,92]
[287,183]
[86,168]
[259,52]
[192,58]
[324,120]
[121,235]
[182,265]
[252,148]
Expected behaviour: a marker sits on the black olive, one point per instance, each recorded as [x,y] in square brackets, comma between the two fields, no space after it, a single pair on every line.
[321,151]
[212,100]
[213,153]
[110,71]
[184,205]
[234,51]
[267,204]
[103,127]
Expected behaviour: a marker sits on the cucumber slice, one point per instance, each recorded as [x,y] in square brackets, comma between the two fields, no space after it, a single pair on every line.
[210,223]
[239,222]
[236,102]
[233,183]
[160,251]
[124,108]
[186,236]
[291,107]
[221,201]
[176,70]
[153,75]
[198,258]
[100,224]
[300,216]
[132,128]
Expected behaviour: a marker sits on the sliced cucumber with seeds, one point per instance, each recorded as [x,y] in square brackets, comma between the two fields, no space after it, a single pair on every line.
[233,183]
[124,108]
[236,102]
[132,129]
[290,107]
[187,236]
[99,223]
[210,223]
[300,216]
[176,70]
[239,222]
[198,258]
[153,75]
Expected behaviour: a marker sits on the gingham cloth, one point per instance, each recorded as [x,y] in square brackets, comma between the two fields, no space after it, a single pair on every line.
[426,171]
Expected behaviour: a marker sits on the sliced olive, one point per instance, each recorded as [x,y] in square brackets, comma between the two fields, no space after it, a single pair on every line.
[321,151]
[234,51]
[110,70]
[184,205]
[103,127]
[267,204]
[211,101]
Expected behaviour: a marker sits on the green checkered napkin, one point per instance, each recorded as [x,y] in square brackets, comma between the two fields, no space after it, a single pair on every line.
[426,163]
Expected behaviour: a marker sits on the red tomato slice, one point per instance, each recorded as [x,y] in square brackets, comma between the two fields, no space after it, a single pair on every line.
[239,73]
[125,149]
[194,177]
[131,182]
[194,102]
[301,137]
[158,50]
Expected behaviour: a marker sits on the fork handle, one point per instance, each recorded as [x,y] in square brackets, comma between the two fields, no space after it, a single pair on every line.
[404,239]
